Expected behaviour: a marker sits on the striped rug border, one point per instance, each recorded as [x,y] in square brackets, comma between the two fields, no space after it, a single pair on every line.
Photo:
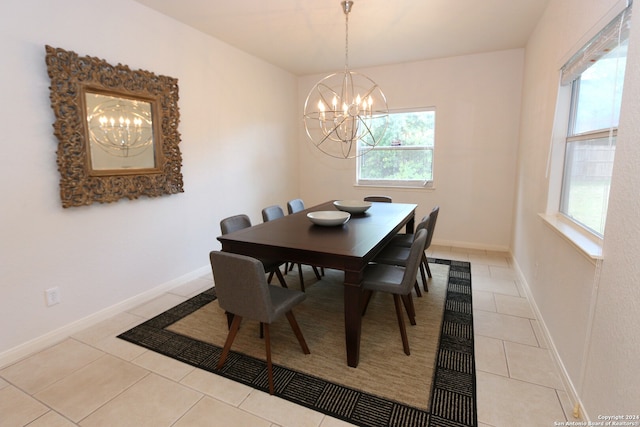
[453,395]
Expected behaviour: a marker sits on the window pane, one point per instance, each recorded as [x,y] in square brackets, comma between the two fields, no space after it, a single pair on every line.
[588,166]
[404,156]
[397,164]
[600,93]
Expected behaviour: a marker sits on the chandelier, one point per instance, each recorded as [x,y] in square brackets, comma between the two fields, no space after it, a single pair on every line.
[121,127]
[346,113]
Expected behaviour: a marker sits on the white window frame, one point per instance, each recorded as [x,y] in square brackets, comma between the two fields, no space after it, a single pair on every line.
[397,183]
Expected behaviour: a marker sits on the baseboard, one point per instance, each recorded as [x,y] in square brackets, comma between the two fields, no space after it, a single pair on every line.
[564,374]
[38,344]
[469,245]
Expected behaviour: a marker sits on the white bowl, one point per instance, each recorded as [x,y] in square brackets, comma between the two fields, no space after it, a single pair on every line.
[352,206]
[329,218]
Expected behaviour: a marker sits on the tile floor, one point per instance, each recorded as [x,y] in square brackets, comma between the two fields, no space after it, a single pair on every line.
[95,379]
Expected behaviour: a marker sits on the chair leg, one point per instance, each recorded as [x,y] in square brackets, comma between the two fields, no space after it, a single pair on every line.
[407,300]
[317,273]
[270,276]
[296,330]
[280,278]
[403,331]
[425,265]
[300,277]
[267,344]
[417,288]
[235,325]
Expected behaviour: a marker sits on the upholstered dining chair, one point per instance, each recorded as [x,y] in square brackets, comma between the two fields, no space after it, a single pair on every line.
[242,291]
[384,199]
[238,222]
[405,240]
[274,212]
[295,205]
[397,253]
[397,281]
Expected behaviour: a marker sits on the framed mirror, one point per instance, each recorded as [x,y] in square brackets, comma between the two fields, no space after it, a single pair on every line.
[117,130]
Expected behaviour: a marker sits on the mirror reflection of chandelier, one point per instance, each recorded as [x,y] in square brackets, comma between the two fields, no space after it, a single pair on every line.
[346,114]
[121,127]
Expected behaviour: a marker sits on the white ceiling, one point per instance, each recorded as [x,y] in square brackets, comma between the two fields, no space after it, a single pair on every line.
[308,36]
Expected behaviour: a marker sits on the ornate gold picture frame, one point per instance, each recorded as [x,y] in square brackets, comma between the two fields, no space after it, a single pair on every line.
[117,130]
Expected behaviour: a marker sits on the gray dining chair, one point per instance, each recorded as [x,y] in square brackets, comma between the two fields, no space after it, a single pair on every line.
[405,239]
[384,199]
[397,253]
[397,281]
[295,205]
[271,213]
[238,222]
[242,291]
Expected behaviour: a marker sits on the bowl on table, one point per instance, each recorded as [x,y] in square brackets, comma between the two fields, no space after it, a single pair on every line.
[329,218]
[352,206]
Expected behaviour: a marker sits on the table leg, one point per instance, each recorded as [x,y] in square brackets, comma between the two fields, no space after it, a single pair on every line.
[352,317]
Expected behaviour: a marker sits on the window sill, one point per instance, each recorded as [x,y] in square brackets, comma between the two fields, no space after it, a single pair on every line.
[588,247]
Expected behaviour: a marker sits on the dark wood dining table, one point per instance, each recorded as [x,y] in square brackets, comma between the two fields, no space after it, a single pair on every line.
[348,247]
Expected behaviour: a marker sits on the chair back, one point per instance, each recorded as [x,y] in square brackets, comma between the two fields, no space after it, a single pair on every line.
[413,262]
[433,217]
[295,205]
[384,199]
[241,286]
[424,223]
[234,223]
[272,212]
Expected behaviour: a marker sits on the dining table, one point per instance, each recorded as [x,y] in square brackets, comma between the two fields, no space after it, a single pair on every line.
[348,247]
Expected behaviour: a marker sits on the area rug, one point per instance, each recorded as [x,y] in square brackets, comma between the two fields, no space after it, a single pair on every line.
[435,386]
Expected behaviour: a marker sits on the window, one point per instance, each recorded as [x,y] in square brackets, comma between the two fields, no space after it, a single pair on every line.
[596,75]
[404,156]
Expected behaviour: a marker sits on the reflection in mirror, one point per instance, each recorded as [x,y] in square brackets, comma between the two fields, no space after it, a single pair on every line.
[120,132]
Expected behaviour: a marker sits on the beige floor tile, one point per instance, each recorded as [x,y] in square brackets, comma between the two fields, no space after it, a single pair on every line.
[3,384]
[163,365]
[108,328]
[498,286]
[211,413]
[508,402]
[84,391]
[152,402]
[218,387]
[157,305]
[491,258]
[45,368]
[280,411]
[52,419]
[478,270]
[503,327]
[532,364]
[490,357]
[334,422]
[194,287]
[484,301]
[120,348]
[501,272]
[18,408]
[514,306]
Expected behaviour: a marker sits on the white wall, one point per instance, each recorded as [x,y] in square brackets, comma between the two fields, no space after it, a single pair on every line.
[477,100]
[590,313]
[239,127]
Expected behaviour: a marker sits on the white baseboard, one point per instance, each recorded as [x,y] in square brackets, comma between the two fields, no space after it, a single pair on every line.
[564,374]
[38,344]
[468,245]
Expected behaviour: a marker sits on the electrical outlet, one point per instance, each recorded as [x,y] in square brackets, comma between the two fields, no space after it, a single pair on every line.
[52,296]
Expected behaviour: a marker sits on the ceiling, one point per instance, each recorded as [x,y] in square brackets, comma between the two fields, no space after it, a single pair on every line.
[308,36]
